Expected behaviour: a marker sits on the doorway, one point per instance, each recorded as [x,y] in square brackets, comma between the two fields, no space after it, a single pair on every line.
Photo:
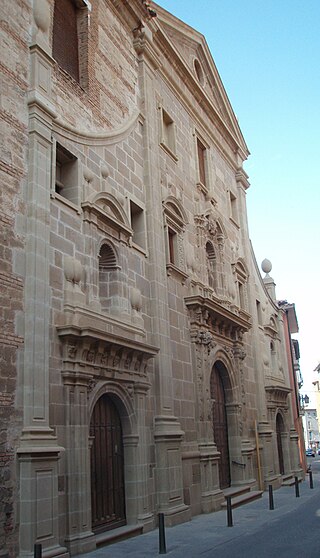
[220,423]
[107,467]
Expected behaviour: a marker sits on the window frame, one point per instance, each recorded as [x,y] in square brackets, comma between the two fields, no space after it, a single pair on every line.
[168,133]
[139,209]
[59,151]
[174,226]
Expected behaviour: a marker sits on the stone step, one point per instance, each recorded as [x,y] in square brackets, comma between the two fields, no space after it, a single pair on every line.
[236,490]
[289,480]
[117,535]
[245,498]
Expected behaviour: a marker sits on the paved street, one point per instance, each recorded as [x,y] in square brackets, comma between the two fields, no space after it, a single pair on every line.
[291,529]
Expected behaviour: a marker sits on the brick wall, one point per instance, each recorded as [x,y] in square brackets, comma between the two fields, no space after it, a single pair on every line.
[13,147]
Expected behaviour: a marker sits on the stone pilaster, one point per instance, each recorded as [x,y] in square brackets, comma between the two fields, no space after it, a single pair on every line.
[167,430]
[79,537]
[141,496]
[211,495]
[38,452]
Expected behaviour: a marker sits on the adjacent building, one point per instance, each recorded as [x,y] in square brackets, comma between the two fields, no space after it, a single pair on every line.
[144,362]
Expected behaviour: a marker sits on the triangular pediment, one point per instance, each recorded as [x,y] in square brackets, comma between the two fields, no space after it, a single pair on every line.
[191,48]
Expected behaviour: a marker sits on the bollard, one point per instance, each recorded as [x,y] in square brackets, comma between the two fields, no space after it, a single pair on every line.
[271,504]
[162,535]
[229,512]
[310,479]
[37,551]
[296,482]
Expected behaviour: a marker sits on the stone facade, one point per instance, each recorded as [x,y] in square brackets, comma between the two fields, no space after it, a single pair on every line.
[128,282]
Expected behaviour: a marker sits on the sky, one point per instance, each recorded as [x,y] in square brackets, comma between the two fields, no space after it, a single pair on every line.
[267,53]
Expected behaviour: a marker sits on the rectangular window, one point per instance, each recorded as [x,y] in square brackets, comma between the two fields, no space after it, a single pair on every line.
[172,240]
[70,38]
[201,150]
[66,179]
[233,207]
[168,135]
[137,225]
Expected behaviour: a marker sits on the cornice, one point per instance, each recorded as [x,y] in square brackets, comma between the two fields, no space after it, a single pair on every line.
[230,319]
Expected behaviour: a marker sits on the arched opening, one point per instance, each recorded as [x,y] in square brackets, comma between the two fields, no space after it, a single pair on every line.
[107,467]
[280,429]
[220,421]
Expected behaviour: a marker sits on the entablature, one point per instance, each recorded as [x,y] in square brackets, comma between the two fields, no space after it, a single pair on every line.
[101,351]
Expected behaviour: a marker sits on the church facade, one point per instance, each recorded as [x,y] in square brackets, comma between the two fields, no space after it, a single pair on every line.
[144,362]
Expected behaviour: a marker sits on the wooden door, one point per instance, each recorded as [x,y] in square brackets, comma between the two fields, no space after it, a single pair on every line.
[280,429]
[107,468]
[220,426]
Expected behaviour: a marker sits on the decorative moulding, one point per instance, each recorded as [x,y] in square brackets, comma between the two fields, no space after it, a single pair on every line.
[85,137]
[105,211]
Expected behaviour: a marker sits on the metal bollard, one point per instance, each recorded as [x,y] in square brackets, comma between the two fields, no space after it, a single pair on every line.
[162,535]
[271,504]
[296,483]
[229,512]
[310,479]
[37,551]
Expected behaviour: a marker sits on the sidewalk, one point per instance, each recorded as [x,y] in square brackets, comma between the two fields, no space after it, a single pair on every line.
[207,532]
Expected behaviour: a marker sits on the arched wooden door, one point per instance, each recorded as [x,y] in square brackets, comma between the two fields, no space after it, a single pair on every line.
[107,467]
[280,430]
[220,425]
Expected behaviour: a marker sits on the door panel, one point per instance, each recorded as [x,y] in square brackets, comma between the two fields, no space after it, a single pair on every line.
[220,426]
[107,472]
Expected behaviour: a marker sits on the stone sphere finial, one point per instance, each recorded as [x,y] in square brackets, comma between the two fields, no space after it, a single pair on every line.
[266,266]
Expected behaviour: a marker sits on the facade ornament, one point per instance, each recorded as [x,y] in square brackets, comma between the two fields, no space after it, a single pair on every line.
[91,385]
[204,337]
[211,226]
[239,353]
[71,351]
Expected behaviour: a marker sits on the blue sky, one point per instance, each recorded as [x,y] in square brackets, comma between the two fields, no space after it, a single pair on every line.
[268,55]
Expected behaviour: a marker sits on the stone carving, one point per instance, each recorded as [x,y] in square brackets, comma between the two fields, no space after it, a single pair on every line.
[88,175]
[41,14]
[72,270]
[135,299]
[91,385]
[239,353]
[105,171]
[204,337]
[71,351]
